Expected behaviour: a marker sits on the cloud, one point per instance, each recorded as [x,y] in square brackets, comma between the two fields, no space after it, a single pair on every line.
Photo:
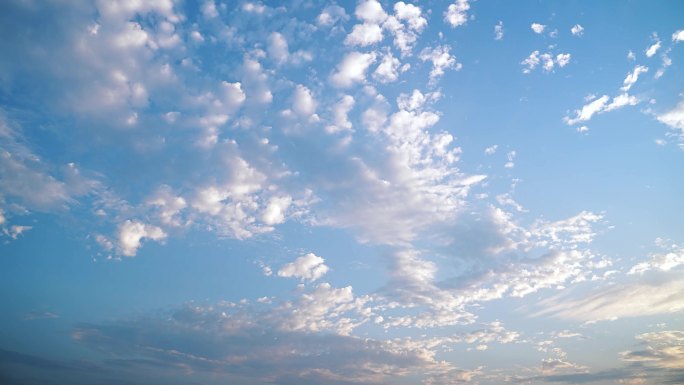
[277,47]
[491,150]
[457,13]
[388,69]
[651,50]
[663,350]
[632,77]
[678,36]
[670,259]
[657,293]
[340,112]
[546,59]
[352,69]
[577,30]
[131,234]
[537,28]
[331,15]
[601,105]
[410,13]
[364,35]
[562,59]
[309,267]
[498,31]
[674,118]
[441,60]
[370,11]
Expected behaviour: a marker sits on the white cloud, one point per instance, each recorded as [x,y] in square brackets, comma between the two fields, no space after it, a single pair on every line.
[577,30]
[653,49]
[498,31]
[277,47]
[364,35]
[331,14]
[370,11]
[303,102]
[352,69]
[388,69]
[251,7]
[168,205]
[670,259]
[275,210]
[456,14]
[131,234]
[309,267]
[531,62]
[678,36]
[632,77]
[441,60]
[340,113]
[661,294]
[491,150]
[589,110]
[546,60]
[209,9]
[621,101]
[631,55]
[562,59]
[15,231]
[537,28]
[674,118]
[411,14]
[511,157]
[416,100]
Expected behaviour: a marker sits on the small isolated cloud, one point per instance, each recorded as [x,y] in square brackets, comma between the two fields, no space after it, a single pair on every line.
[352,69]
[132,233]
[309,267]
[511,159]
[441,60]
[601,105]
[577,30]
[653,49]
[538,28]
[491,150]
[632,77]
[498,31]
[15,231]
[456,14]
[562,59]
[674,118]
[546,60]
[678,36]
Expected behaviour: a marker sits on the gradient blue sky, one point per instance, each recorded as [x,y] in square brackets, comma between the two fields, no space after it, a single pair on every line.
[235,192]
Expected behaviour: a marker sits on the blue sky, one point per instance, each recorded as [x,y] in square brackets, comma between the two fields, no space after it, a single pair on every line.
[372,192]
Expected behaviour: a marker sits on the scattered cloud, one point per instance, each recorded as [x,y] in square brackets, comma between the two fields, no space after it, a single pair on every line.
[309,267]
[441,61]
[457,13]
[538,28]
[498,31]
[577,30]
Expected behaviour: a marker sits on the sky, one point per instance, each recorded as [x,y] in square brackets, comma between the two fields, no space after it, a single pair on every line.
[372,192]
